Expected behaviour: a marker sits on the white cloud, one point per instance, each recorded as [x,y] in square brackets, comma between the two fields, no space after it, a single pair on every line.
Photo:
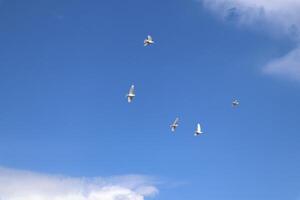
[289,65]
[281,16]
[24,185]
[278,17]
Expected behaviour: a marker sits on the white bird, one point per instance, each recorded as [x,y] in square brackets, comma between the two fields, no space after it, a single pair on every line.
[148,41]
[198,130]
[175,124]
[131,94]
[235,103]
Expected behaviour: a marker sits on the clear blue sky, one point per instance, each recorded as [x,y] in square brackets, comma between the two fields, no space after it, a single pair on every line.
[65,68]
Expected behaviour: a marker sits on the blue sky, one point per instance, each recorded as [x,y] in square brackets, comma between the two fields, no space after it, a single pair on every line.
[65,69]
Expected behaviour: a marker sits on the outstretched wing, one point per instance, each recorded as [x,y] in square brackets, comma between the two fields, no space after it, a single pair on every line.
[176,120]
[149,38]
[131,90]
[198,128]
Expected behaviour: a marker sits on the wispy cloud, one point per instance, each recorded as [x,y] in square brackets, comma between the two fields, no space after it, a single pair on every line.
[288,65]
[24,185]
[277,17]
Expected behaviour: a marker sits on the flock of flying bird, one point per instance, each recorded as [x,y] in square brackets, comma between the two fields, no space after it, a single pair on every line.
[131,94]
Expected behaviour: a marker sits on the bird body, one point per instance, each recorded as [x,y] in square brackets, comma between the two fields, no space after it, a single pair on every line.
[235,103]
[148,41]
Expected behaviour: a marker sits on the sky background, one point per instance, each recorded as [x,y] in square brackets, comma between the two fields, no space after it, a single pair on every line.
[65,68]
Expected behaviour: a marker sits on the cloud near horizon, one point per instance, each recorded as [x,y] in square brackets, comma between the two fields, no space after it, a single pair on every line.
[25,185]
[277,17]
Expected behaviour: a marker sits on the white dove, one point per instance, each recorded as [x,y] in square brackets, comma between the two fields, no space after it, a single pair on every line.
[174,125]
[198,130]
[148,41]
[235,103]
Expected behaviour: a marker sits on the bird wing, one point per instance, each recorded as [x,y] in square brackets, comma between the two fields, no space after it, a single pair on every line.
[149,37]
[131,91]
[176,120]
[198,128]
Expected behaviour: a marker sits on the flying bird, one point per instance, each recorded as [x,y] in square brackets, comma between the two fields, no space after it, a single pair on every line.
[175,124]
[198,130]
[235,103]
[131,94]
[148,41]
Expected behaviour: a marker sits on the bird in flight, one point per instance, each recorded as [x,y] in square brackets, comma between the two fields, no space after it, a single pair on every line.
[198,130]
[148,41]
[131,94]
[175,124]
[235,103]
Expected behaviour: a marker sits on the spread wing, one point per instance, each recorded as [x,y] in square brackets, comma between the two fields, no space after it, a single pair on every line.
[149,38]
[131,90]
[176,120]
[198,128]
